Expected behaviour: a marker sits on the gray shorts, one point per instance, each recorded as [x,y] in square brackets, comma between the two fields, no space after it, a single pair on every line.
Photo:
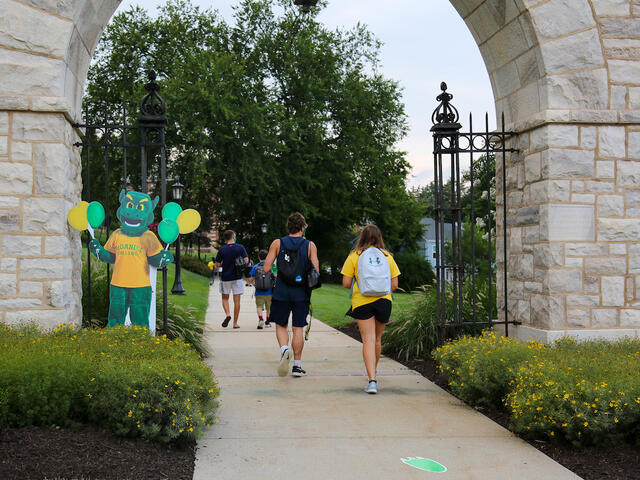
[232,287]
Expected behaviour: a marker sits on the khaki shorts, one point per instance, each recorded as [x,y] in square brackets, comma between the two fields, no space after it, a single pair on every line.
[263,302]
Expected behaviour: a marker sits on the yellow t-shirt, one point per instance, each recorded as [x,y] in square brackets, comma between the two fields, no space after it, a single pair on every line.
[132,269]
[350,269]
[211,265]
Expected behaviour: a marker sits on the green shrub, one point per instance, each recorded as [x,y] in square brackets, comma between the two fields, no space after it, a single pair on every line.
[99,310]
[415,334]
[583,393]
[183,324]
[195,265]
[121,379]
[479,369]
[416,270]
[4,407]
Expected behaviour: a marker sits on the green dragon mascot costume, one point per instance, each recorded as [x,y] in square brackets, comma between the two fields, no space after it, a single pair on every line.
[131,249]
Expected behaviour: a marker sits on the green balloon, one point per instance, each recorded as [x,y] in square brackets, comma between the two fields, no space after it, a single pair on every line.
[171,211]
[168,230]
[95,214]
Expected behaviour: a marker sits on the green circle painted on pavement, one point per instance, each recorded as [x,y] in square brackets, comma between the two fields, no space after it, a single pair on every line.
[425,464]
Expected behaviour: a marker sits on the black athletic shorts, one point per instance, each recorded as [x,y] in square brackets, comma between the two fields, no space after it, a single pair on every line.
[381,309]
[280,311]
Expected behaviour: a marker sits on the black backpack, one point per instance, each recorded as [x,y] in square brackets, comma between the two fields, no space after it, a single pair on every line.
[238,266]
[290,269]
[262,280]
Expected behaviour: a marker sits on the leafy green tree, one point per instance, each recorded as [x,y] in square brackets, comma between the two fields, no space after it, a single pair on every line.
[271,114]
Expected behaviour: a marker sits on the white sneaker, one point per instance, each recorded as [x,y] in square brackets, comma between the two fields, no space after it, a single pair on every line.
[285,359]
[372,387]
[260,324]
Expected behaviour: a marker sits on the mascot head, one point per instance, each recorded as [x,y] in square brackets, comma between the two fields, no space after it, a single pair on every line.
[135,212]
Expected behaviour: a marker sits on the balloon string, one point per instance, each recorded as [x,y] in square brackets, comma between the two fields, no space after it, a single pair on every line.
[90,228]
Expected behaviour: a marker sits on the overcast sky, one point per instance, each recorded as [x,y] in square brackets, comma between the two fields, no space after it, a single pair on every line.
[425,42]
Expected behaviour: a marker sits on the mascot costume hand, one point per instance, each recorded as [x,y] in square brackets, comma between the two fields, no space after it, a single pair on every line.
[131,249]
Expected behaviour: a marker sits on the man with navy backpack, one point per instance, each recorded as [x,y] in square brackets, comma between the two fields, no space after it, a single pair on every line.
[291,296]
[232,258]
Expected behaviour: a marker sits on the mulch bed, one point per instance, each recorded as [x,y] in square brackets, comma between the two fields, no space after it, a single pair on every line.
[619,462]
[36,453]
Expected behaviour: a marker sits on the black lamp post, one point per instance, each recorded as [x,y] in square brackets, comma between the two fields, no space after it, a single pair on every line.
[264,228]
[177,289]
[305,5]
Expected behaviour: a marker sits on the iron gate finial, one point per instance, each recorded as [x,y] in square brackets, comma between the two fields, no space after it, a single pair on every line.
[446,115]
[152,107]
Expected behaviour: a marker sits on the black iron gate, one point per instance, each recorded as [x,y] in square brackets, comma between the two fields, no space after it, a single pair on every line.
[107,134]
[466,290]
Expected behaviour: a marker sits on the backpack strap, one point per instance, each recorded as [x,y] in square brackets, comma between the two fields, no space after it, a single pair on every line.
[294,249]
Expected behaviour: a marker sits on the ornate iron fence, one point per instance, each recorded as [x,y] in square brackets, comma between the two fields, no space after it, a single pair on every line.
[457,269]
[108,135]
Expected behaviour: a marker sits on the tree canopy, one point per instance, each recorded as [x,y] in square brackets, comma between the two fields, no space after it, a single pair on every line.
[270,114]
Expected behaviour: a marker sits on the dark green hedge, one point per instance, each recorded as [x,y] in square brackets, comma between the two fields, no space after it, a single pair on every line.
[416,270]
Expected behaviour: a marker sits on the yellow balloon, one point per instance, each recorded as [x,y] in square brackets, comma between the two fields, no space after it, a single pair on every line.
[188,220]
[77,216]
[83,206]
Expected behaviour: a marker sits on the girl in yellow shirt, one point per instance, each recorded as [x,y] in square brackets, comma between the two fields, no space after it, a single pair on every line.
[372,313]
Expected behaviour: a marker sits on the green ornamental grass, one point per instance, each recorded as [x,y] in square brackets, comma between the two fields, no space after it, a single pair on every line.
[122,379]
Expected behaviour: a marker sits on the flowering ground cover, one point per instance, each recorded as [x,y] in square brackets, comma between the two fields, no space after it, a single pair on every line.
[583,393]
[120,379]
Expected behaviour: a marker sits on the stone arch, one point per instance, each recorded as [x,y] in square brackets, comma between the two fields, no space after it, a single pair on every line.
[563,72]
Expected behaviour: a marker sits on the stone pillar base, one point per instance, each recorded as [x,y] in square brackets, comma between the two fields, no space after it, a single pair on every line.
[524,333]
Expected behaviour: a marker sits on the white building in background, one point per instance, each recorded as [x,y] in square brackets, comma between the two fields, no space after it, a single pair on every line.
[427,244]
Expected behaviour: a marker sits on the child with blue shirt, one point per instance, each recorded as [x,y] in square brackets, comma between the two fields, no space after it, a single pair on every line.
[263,297]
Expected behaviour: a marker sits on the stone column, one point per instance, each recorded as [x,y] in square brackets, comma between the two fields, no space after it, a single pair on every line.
[574,226]
[565,73]
[39,267]
[45,50]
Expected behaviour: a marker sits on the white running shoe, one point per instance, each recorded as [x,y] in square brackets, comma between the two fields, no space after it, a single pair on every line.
[285,359]
[372,387]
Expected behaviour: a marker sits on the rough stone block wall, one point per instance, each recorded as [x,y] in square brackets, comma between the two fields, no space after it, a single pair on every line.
[39,255]
[45,48]
[573,228]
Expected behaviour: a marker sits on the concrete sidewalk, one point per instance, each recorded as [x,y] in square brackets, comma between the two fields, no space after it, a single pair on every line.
[325,427]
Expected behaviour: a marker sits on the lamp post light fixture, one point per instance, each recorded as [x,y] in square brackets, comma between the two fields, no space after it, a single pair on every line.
[264,228]
[305,5]
[177,189]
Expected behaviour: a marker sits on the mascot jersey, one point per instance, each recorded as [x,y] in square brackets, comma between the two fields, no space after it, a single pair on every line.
[131,269]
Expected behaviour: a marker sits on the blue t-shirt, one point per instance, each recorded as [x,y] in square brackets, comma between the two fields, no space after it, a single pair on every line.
[253,274]
[227,257]
[287,293]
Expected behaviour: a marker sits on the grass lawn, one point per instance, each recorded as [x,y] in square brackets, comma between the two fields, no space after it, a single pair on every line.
[331,302]
[196,288]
